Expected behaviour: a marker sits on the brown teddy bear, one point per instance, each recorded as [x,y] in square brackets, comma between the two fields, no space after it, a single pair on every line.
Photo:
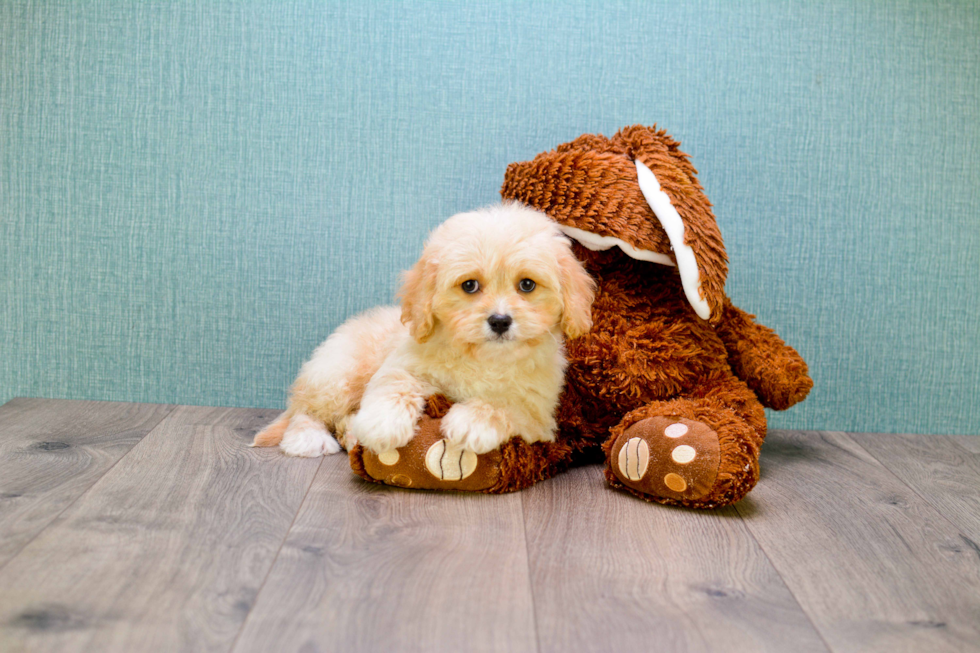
[669,385]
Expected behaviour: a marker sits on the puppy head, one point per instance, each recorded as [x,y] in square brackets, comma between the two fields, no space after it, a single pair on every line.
[504,275]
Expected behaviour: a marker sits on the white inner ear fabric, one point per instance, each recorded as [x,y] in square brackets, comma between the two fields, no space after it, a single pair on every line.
[687,263]
[598,243]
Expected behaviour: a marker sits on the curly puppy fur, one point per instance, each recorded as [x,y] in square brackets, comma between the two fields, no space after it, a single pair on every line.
[481,322]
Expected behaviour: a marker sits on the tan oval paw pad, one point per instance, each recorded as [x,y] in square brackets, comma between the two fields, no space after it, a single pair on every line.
[675,482]
[389,458]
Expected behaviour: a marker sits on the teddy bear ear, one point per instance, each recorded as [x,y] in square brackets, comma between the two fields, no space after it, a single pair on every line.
[670,187]
[637,191]
[673,224]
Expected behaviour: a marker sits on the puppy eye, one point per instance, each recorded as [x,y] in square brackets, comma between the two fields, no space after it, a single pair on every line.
[470,286]
[526,285]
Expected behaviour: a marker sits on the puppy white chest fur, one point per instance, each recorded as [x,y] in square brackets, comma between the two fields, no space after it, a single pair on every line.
[506,374]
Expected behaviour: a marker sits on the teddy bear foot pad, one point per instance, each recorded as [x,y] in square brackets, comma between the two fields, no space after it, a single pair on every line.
[429,462]
[668,457]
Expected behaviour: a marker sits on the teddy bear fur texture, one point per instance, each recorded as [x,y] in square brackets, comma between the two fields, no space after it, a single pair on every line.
[673,403]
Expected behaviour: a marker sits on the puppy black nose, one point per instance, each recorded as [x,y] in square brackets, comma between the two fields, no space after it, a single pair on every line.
[500,323]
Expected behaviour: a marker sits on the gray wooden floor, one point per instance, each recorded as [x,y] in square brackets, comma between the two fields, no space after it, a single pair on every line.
[128,527]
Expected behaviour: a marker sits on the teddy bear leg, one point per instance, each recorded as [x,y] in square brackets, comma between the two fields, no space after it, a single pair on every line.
[429,462]
[699,452]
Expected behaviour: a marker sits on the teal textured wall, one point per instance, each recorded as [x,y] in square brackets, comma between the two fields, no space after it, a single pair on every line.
[193,195]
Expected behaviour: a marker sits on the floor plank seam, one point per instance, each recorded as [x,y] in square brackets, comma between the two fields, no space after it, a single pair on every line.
[913,490]
[95,482]
[959,446]
[782,579]
[275,558]
[530,580]
[789,589]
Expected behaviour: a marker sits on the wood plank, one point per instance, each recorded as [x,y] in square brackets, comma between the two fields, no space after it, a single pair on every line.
[874,565]
[167,551]
[969,443]
[374,568]
[612,572]
[939,470]
[52,451]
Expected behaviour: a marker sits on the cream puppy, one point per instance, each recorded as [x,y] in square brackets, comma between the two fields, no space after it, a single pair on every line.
[481,321]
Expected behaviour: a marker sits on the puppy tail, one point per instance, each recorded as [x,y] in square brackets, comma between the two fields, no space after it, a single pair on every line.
[271,435]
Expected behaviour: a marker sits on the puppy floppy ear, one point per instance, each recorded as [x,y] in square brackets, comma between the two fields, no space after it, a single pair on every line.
[577,292]
[417,293]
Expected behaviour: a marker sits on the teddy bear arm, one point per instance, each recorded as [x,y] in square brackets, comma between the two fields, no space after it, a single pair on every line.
[772,369]
[431,462]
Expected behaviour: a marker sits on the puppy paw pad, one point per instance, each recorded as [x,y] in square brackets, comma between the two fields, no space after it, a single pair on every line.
[449,462]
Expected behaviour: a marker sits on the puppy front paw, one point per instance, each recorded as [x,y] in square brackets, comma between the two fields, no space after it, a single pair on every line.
[473,428]
[382,428]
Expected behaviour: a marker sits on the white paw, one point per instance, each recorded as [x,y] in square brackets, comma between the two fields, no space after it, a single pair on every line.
[382,428]
[307,438]
[472,430]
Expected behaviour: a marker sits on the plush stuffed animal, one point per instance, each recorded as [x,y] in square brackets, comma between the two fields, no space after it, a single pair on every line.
[669,385]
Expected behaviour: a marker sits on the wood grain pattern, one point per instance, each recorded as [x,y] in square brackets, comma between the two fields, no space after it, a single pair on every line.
[969,443]
[52,451]
[875,566]
[182,538]
[374,568]
[940,471]
[626,575]
[167,551]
